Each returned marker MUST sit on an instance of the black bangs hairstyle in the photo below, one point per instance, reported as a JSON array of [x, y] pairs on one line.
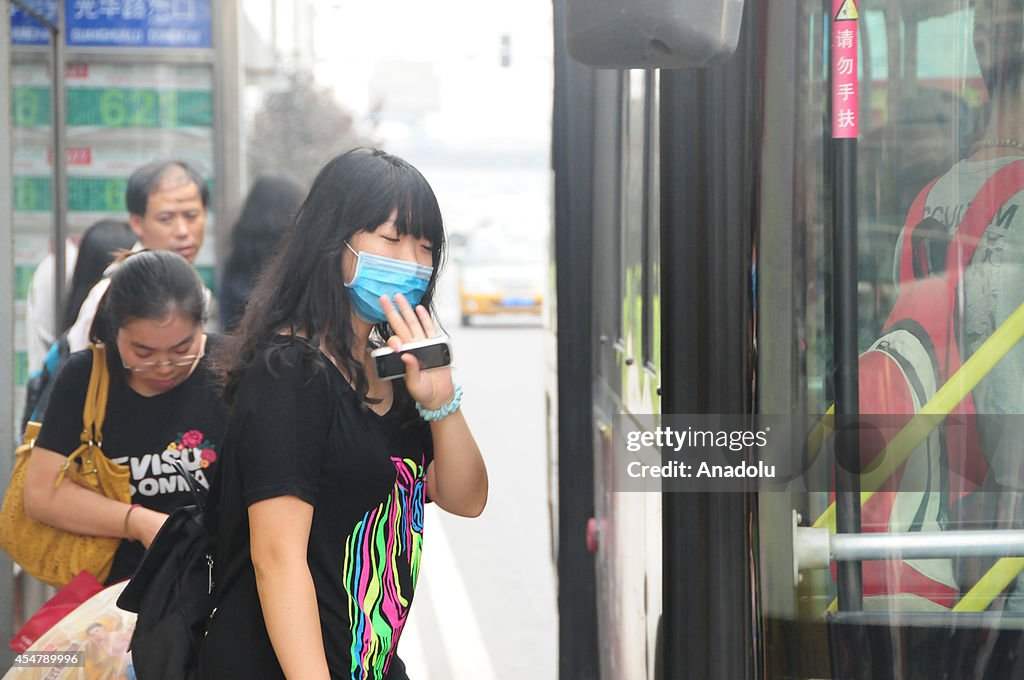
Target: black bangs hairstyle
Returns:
[[148, 284], [268, 211], [303, 288], [99, 246]]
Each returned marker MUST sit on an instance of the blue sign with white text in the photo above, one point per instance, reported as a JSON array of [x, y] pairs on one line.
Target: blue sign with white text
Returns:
[[119, 23], [138, 23], [26, 29]]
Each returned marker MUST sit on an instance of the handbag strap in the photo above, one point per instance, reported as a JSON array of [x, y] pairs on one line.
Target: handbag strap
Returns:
[[93, 411], [199, 494]]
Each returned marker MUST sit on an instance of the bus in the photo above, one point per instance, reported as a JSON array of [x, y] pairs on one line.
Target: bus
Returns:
[[722, 246]]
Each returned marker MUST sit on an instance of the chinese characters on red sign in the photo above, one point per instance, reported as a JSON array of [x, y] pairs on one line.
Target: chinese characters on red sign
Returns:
[[844, 69]]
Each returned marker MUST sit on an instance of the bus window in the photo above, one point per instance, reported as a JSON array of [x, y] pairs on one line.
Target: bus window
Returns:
[[920, 107], [608, 178], [651, 246], [940, 184], [632, 217]]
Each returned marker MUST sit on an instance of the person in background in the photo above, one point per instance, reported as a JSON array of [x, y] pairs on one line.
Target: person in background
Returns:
[[991, 286], [167, 208], [40, 314], [100, 244], [163, 404], [268, 211], [96, 252], [326, 467], [993, 281]]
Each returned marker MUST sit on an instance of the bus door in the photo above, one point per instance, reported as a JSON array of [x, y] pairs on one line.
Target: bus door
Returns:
[[935, 549]]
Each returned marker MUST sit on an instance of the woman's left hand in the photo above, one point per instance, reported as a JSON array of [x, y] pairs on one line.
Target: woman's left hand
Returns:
[[432, 389]]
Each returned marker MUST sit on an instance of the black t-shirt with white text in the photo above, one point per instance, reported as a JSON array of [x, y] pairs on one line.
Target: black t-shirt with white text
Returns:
[[299, 430], [144, 433]]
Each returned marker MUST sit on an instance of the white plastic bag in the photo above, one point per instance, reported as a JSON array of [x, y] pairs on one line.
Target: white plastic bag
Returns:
[[98, 631]]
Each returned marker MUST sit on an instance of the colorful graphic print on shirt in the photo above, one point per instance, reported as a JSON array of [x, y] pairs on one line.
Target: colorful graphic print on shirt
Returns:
[[153, 475], [382, 547]]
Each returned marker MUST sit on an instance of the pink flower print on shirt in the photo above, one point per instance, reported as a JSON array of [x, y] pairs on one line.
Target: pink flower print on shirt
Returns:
[[192, 439], [194, 450]]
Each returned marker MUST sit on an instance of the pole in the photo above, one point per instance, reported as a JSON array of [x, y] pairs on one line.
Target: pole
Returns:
[[60, 184], [228, 143], [849, 577], [7, 427], [923, 545]]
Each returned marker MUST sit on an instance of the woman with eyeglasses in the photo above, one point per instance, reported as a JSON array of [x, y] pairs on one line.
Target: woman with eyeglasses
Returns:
[[163, 405]]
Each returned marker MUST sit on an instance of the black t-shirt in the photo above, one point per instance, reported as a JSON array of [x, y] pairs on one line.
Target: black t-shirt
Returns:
[[297, 429], [144, 433]]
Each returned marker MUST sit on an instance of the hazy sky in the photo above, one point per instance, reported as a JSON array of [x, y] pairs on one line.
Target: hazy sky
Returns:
[[478, 101], [500, 116]]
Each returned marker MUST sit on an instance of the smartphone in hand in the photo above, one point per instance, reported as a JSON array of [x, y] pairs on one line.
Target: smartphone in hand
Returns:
[[432, 353]]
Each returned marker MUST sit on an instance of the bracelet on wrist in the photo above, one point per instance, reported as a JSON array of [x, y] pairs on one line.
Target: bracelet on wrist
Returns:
[[128, 515], [451, 407]]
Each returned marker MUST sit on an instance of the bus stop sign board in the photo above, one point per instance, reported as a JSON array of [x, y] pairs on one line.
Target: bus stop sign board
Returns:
[[119, 23], [25, 30]]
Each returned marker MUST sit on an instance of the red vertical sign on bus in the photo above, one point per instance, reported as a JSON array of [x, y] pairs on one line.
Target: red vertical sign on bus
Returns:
[[845, 109]]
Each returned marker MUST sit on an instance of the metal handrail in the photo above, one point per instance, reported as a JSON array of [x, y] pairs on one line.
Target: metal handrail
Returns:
[[816, 548], [926, 545]]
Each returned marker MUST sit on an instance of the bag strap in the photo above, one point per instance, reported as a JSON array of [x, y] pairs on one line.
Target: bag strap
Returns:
[[93, 411], [199, 494], [914, 217], [983, 208]]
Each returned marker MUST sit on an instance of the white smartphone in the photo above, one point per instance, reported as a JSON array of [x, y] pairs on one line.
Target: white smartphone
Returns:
[[432, 353]]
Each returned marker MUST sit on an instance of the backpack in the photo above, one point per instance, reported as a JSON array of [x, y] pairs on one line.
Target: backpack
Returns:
[[40, 383], [902, 370], [172, 591]]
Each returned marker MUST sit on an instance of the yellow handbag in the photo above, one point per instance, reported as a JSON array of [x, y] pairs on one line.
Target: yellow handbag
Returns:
[[53, 555]]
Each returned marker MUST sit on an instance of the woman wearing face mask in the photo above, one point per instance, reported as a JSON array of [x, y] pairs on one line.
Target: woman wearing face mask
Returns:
[[326, 467], [163, 404]]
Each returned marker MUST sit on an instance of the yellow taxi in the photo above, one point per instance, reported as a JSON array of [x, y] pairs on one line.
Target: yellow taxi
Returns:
[[501, 273]]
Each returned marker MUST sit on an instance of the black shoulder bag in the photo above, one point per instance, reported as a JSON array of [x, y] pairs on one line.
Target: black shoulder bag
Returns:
[[172, 591]]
